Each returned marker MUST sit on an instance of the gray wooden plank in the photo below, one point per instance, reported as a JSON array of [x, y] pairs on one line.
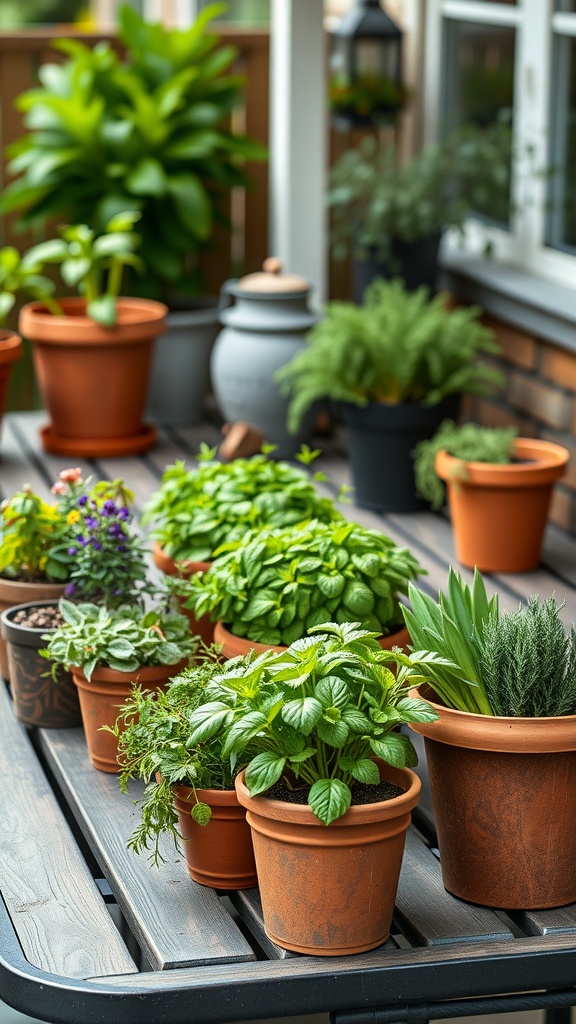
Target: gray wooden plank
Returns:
[[56, 909], [27, 426], [431, 916], [18, 465], [249, 906], [176, 921], [548, 922]]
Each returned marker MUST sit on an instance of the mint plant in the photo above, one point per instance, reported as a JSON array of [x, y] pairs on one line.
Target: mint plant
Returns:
[[315, 715], [469, 442], [274, 585], [124, 639]]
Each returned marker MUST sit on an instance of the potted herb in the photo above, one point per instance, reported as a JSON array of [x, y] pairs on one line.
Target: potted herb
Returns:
[[189, 788], [109, 649], [501, 756], [272, 586], [499, 489], [391, 216], [81, 344], [149, 132], [196, 510], [396, 365], [326, 777]]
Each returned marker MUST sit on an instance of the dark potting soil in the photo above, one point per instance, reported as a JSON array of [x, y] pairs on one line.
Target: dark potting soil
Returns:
[[42, 617], [362, 793]]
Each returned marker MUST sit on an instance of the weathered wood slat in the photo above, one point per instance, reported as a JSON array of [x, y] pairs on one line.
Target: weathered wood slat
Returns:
[[57, 912], [548, 922], [176, 921], [249, 905]]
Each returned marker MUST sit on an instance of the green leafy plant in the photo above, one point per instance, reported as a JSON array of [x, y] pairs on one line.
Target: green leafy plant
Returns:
[[196, 510], [374, 200], [369, 96], [518, 664], [22, 276], [315, 716], [145, 133], [124, 638], [274, 585], [469, 442], [153, 730], [399, 346], [30, 528]]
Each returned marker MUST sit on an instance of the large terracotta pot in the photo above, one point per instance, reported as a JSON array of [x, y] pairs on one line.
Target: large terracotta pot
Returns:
[[219, 854], [102, 695], [498, 512], [94, 379], [504, 796], [10, 351], [13, 592], [233, 645], [330, 891], [202, 627], [38, 699]]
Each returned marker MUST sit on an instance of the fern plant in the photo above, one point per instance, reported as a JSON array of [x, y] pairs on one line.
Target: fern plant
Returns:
[[399, 346], [469, 443]]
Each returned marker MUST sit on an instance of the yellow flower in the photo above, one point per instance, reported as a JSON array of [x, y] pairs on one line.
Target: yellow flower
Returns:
[[73, 517]]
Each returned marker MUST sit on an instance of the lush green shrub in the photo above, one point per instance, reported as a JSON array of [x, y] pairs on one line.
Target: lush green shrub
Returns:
[[470, 443]]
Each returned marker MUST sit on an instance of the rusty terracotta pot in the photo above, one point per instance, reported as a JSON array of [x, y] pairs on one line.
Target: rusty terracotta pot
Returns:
[[13, 592], [10, 351], [233, 645], [219, 854], [330, 891], [79, 362], [499, 513], [102, 695], [504, 796], [202, 627]]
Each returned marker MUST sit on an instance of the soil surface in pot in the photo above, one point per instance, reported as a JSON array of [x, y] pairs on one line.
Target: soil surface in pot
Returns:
[[362, 793], [41, 617]]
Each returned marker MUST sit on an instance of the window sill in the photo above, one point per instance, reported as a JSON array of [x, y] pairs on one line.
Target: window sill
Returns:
[[516, 296]]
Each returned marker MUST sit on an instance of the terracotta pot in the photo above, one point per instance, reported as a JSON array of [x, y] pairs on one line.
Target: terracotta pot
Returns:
[[504, 796], [13, 592], [10, 351], [102, 695], [498, 512], [234, 645], [219, 854], [94, 379], [38, 700], [330, 891], [202, 627]]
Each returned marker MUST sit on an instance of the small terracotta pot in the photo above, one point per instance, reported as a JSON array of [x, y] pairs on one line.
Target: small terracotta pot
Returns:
[[10, 351], [330, 891], [233, 645], [102, 695], [219, 854], [13, 592], [38, 699], [498, 512], [79, 362], [504, 796], [202, 627]]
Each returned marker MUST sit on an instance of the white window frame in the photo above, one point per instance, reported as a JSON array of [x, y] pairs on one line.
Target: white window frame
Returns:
[[537, 25]]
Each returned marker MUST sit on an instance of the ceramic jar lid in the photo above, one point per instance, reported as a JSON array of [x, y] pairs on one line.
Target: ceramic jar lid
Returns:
[[271, 281]]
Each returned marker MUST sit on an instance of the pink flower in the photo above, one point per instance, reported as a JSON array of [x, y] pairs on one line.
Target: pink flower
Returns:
[[71, 476], [58, 488]]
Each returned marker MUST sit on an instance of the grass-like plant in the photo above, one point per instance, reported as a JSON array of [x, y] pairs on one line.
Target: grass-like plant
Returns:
[[469, 442], [399, 346]]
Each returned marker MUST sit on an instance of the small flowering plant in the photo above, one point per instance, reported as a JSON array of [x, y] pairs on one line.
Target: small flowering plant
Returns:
[[35, 535]]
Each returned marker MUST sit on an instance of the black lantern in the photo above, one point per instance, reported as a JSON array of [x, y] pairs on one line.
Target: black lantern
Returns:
[[366, 65]]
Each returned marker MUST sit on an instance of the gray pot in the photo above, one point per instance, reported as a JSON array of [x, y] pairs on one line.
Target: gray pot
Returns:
[[265, 325], [180, 375]]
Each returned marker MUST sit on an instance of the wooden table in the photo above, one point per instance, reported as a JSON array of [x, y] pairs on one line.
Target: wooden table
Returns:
[[90, 933]]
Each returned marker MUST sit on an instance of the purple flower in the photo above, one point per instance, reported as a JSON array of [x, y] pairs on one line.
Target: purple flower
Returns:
[[121, 547], [124, 513], [82, 540], [91, 522], [96, 545], [117, 592], [69, 589], [116, 530], [82, 501], [72, 551], [109, 508]]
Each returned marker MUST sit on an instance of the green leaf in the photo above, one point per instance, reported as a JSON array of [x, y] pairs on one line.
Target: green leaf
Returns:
[[201, 813], [147, 178], [191, 202], [396, 750], [206, 721], [363, 770], [334, 733], [263, 772], [329, 799], [302, 714], [413, 710], [103, 310]]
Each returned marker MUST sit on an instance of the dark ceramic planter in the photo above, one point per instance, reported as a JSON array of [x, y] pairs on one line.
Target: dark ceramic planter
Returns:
[[38, 700], [381, 441], [416, 263]]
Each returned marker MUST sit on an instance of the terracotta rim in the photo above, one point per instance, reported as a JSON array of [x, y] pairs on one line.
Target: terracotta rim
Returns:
[[10, 347], [499, 734], [222, 635], [359, 814], [213, 797], [138, 319], [146, 674], [547, 463], [98, 447], [170, 567]]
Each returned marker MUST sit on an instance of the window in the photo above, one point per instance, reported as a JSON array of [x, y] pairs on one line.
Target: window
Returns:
[[514, 60]]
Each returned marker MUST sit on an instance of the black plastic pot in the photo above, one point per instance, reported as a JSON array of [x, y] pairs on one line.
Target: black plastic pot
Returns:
[[416, 263], [38, 700], [381, 440]]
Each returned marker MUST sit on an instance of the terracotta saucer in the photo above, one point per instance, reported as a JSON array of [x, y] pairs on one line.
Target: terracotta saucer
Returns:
[[100, 447]]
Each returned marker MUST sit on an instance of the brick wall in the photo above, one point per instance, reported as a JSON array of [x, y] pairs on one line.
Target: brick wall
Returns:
[[540, 399]]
